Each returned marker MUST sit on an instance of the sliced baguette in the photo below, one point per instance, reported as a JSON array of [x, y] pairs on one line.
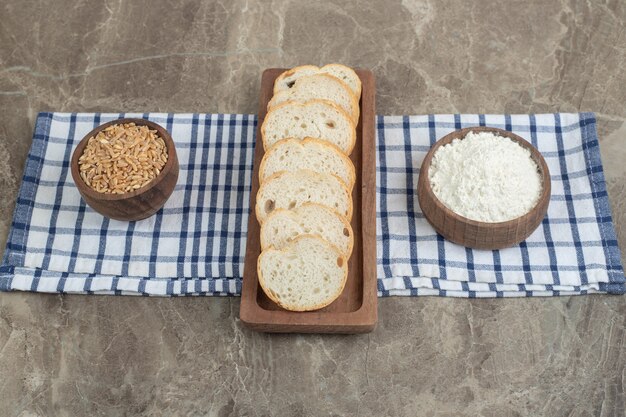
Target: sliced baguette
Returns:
[[309, 153], [289, 190], [282, 226], [287, 79], [308, 274], [320, 119], [322, 86]]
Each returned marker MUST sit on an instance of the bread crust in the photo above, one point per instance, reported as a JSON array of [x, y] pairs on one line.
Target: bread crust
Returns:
[[304, 104], [303, 143], [290, 307], [342, 218], [278, 174]]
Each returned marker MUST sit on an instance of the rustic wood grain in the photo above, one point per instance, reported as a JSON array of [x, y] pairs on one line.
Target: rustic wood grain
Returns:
[[475, 234], [355, 311], [138, 204]]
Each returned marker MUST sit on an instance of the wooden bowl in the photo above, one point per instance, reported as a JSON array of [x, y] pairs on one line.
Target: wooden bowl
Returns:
[[472, 233], [140, 203]]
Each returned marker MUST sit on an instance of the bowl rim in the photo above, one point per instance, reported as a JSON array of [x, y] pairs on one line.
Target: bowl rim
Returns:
[[461, 134], [80, 148]]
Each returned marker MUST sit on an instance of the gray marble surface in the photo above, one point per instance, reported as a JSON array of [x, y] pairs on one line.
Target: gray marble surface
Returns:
[[117, 356]]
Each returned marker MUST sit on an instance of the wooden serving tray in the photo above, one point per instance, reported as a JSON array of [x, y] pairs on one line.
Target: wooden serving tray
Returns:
[[356, 309]]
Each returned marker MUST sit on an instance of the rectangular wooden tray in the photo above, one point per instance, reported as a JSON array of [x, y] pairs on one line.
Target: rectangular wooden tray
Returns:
[[356, 309]]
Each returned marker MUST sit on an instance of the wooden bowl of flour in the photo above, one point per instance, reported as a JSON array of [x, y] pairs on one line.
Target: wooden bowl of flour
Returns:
[[480, 234]]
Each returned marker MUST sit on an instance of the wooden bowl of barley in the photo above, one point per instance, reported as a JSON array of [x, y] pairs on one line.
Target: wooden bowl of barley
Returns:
[[126, 169]]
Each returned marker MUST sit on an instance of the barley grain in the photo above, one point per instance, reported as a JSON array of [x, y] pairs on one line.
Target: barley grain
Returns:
[[122, 158]]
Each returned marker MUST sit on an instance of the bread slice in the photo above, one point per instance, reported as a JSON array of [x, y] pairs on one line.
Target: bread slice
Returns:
[[289, 190], [309, 153], [287, 79], [322, 86], [308, 274], [346, 74], [320, 119], [283, 226]]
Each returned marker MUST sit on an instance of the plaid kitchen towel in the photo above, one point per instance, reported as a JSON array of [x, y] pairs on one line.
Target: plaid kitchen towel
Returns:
[[195, 245]]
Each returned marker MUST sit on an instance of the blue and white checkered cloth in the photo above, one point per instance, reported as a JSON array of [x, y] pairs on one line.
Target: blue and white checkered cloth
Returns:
[[195, 245]]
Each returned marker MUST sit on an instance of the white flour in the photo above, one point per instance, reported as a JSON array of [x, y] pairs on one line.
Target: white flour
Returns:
[[485, 177]]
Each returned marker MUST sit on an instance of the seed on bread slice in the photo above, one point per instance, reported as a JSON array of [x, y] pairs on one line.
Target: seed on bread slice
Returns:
[[307, 274], [282, 226], [287, 79], [309, 153], [320, 119], [322, 86], [289, 190]]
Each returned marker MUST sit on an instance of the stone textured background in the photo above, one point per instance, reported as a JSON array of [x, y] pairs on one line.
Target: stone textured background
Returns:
[[77, 355]]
